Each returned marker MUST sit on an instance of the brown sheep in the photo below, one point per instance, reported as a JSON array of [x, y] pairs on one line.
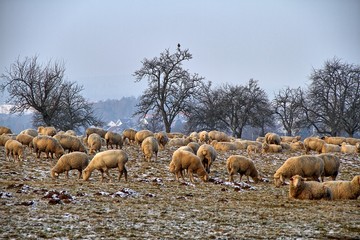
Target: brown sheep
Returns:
[[70, 161], [180, 141], [94, 143], [194, 146], [352, 141], [149, 146], [297, 146], [207, 155], [271, 148], [70, 143], [103, 161], [129, 135], [113, 138], [253, 149], [14, 148], [4, 137], [184, 160], [242, 165], [328, 148], [352, 149], [334, 140], [30, 131], [203, 137], [47, 144], [313, 143], [5, 130], [272, 138]]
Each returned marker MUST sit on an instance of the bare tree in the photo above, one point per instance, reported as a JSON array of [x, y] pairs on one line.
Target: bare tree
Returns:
[[42, 88], [287, 106], [331, 104], [170, 87]]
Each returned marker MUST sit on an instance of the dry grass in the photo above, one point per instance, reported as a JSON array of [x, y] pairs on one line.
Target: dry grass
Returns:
[[152, 205]]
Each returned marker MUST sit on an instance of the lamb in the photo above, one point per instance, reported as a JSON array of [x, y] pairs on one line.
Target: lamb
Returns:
[[70, 161], [207, 155], [223, 146], [184, 160], [70, 143], [47, 144], [129, 135], [334, 140], [243, 166], [106, 160], [113, 138], [30, 131], [141, 135], [313, 143], [203, 137], [14, 148], [353, 149], [272, 138], [94, 143], [289, 139], [149, 146], [327, 148], [345, 189], [25, 139], [331, 165], [271, 148], [49, 131], [162, 139], [311, 190], [304, 165], [101, 132], [5, 130], [219, 136]]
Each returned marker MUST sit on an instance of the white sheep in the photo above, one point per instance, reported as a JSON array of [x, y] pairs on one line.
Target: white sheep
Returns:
[[218, 136], [334, 140], [352, 149], [272, 138], [49, 130], [149, 146], [331, 165], [313, 143], [141, 135], [328, 148], [113, 138], [30, 131], [25, 139], [101, 132], [49, 145], [345, 189], [297, 146], [310, 190], [223, 146], [242, 165], [194, 146], [5, 130], [70, 143], [129, 135], [290, 139], [203, 137], [103, 161], [304, 165], [253, 149], [15, 149], [162, 139], [70, 161], [207, 155], [352, 141], [271, 148], [94, 142]]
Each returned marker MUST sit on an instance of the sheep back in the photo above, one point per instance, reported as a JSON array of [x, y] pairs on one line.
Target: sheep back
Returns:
[[331, 165]]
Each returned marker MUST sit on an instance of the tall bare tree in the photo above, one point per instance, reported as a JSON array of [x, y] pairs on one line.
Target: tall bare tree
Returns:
[[170, 87], [42, 88]]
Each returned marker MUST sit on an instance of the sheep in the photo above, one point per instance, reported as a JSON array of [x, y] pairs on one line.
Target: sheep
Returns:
[[304, 165], [149, 146], [310, 190], [285, 146], [352, 141], [113, 138], [313, 143], [25, 139], [4, 138], [184, 160], [71, 133], [297, 146], [129, 134], [345, 189], [327, 148], [141, 135], [49, 131], [195, 135], [331, 165], [103, 161], [207, 155], [271, 148], [14, 148], [179, 141], [203, 137], [289, 139], [219, 136], [175, 135], [334, 140], [70, 143], [5, 130], [30, 131], [243, 166], [47, 144], [194, 146], [252, 149], [101, 132], [223, 146], [186, 148], [260, 139], [162, 139], [353, 149], [94, 143], [272, 138], [70, 161]]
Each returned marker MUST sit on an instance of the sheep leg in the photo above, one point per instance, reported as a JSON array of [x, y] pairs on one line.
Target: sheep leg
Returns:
[[231, 179], [191, 176], [80, 173], [102, 175], [248, 180], [108, 174], [67, 174], [156, 153], [240, 177]]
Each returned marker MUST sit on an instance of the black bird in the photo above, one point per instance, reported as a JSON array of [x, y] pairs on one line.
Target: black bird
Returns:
[[178, 45]]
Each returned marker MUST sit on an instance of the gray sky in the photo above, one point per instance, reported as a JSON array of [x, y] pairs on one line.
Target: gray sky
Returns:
[[103, 42]]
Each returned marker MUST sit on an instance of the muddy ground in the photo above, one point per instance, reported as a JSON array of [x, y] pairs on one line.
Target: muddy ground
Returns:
[[152, 205]]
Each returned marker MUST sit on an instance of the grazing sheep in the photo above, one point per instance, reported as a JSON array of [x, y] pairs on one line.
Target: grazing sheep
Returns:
[[297, 146], [334, 140], [304, 165], [101, 132], [175, 135], [272, 138], [103, 161], [194, 146], [285, 146], [271, 148], [5, 130], [47, 144], [113, 138], [241, 144], [331, 165], [311, 190], [149, 146], [4, 138], [242, 165], [49, 131], [94, 143], [253, 149], [218, 136], [70, 161], [162, 139], [184, 160], [353, 149], [14, 148], [129, 135], [186, 148], [260, 139], [352, 141], [70, 143], [71, 133], [313, 143], [25, 139], [180, 141], [328, 148], [289, 139], [207, 155], [30, 131], [141, 135], [345, 189], [223, 146], [203, 137]]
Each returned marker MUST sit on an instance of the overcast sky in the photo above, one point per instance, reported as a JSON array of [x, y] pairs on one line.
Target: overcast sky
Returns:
[[103, 42]]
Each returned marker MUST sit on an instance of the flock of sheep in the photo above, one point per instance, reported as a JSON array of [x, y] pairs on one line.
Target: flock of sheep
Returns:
[[194, 155]]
